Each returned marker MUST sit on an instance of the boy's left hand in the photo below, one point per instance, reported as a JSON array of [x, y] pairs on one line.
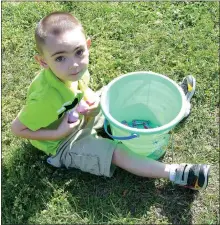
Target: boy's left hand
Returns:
[[93, 109]]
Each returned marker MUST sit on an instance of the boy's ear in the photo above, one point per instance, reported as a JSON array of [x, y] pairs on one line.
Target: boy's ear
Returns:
[[41, 61], [88, 42]]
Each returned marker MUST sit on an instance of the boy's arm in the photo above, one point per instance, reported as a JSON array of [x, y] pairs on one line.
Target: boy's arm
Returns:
[[62, 131]]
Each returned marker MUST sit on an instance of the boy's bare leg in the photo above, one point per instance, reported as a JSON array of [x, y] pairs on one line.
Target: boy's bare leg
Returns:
[[139, 165], [194, 176]]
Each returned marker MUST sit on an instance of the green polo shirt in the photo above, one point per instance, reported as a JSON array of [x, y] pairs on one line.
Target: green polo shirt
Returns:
[[47, 100]]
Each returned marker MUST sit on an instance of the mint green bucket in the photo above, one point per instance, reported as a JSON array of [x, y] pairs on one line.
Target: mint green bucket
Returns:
[[143, 96]]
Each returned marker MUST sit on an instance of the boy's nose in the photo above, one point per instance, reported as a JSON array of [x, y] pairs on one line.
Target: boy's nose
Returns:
[[74, 66]]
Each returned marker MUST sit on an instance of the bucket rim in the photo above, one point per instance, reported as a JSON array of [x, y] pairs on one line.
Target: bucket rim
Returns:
[[160, 129]]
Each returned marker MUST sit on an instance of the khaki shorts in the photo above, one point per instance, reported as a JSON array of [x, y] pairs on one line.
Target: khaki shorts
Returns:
[[84, 149]]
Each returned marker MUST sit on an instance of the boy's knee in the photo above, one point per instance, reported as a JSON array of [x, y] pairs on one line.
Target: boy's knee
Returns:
[[119, 154]]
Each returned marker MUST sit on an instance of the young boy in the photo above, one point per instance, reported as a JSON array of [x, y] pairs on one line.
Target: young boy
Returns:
[[61, 85]]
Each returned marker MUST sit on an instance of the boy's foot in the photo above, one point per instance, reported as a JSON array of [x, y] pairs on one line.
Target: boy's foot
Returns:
[[188, 85], [192, 176]]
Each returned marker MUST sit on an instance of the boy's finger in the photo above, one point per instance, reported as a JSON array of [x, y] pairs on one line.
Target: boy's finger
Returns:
[[72, 125], [94, 108], [66, 116]]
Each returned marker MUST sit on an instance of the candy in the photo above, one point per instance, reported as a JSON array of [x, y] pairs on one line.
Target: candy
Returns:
[[124, 122], [73, 116], [140, 124]]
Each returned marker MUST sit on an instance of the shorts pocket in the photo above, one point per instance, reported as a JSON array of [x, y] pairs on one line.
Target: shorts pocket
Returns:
[[86, 163]]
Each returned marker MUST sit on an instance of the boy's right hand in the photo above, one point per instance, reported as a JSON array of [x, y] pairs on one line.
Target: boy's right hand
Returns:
[[66, 128]]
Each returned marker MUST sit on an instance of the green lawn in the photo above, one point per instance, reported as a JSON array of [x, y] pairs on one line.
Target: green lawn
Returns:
[[175, 39]]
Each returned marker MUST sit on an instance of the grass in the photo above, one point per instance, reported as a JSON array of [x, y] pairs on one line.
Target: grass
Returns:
[[175, 39]]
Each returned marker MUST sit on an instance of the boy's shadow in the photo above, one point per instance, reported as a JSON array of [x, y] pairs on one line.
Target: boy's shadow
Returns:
[[23, 184], [128, 195], [29, 179]]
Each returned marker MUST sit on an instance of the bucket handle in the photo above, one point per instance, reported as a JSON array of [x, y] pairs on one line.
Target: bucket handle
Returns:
[[118, 138]]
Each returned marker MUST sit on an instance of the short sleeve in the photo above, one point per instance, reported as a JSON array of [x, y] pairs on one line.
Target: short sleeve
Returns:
[[37, 114]]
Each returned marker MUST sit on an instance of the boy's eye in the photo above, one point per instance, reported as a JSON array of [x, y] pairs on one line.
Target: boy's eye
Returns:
[[79, 52], [60, 59]]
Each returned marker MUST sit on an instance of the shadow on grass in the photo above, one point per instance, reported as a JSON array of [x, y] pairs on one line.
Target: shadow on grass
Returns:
[[23, 185], [28, 184]]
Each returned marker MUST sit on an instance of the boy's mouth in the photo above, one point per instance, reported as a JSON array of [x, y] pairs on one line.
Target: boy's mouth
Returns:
[[79, 72], [74, 74]]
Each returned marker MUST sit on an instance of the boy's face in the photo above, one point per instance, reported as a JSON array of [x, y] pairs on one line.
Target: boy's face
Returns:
[[67, 55]]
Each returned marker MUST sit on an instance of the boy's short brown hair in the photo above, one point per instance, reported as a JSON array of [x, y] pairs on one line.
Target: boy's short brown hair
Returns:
[[54, 24]]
